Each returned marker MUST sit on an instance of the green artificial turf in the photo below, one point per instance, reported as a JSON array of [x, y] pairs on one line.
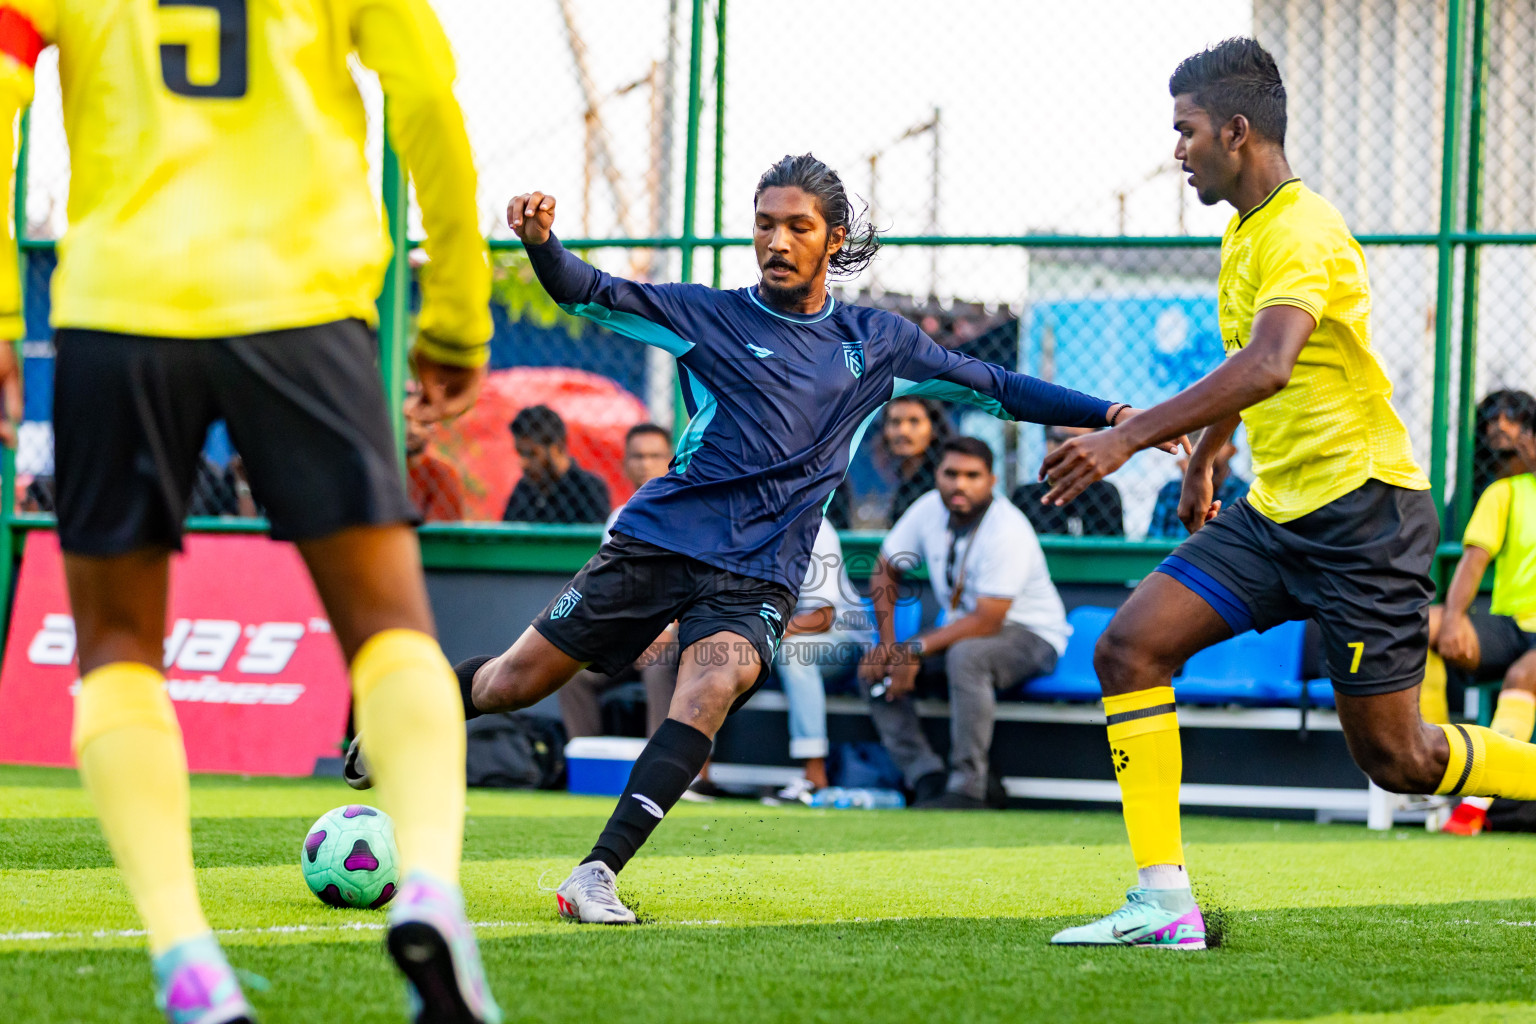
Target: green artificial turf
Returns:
[[786, 914]]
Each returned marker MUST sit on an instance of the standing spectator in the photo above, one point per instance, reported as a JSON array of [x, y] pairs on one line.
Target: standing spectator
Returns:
[[818, 641], [1226, 485], [1097, 512], [553, 488], [432, 483], [647, 454], [1003, 623]]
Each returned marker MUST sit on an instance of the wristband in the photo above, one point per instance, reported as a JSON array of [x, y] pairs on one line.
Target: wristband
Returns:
[[1113, 419]]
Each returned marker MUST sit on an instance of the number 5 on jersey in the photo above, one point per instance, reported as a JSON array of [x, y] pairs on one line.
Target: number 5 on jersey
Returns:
[[203, 48]]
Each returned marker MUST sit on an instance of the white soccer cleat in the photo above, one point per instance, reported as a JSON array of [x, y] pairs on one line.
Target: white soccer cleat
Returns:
[[589, 896]]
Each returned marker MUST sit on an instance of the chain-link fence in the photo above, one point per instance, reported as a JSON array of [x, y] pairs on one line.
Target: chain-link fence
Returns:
[[1019, 159]]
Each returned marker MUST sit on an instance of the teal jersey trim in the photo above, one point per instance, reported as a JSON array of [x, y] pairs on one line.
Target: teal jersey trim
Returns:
[[705, 404], [945, 391], [853, 449], [632, 326], [818, 318]]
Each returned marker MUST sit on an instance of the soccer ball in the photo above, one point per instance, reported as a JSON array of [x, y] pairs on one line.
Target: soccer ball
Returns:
[[349, 857]]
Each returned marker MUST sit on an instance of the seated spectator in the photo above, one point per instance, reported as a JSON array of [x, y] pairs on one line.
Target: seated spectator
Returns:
[[1003, 623], [647, 456], [1501, 643], [823, 637], [1497, 425], [553, 488], [432, 483], [1097, 512], [647, 453], [912, 431], [1226, 486]]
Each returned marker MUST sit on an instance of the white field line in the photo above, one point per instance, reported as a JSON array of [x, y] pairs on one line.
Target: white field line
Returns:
[[279, 929]]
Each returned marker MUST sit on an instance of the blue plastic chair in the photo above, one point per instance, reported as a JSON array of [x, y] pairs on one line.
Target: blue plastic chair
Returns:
[[1251, 668], [1074, 678], [908, 617]]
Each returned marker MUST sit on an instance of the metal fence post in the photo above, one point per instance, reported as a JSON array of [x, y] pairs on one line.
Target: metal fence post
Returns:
[[690, 235], [8, 532], [1446, 253], [719, 224], [1466, 392], [394, 304]]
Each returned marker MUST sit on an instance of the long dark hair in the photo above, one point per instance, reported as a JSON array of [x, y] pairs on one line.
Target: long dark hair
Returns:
[[816, 179]]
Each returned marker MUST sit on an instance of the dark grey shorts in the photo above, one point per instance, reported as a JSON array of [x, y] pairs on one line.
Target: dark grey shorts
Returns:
[[631, 590], [305, 409], [1501, 642], [1358, 566]]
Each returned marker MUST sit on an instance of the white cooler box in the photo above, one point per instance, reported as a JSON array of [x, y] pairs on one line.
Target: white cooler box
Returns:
[[600, 765]]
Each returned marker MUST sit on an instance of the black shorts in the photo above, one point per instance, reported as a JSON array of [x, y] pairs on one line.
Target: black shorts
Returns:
[[305, 409], [631, 590], [1501, 642], [1359, 566]]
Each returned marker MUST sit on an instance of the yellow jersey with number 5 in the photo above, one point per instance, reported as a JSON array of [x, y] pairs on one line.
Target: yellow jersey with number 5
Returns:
[[219, 182], [1332, 427]]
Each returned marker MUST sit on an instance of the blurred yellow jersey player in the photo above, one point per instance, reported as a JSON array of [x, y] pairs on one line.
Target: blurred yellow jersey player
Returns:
[[219, 183], [1332, 427], [222, 261]]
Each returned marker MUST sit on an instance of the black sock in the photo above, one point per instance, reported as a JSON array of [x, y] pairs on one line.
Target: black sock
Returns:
[[665, 768], [466, 670]]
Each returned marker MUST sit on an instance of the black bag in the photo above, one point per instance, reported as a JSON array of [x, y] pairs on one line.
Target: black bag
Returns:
[[515, 751], [1512, 815]]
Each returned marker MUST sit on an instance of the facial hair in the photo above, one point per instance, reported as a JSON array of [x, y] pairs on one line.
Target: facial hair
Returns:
[[789, 299]]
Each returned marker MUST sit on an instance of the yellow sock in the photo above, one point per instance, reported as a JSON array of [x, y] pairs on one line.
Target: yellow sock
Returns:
[[128, 745], [1486, 763], [1515, 715], [409, 709], [1144, 742], [1433, 707]]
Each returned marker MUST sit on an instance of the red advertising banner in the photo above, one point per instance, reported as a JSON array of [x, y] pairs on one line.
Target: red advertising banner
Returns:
[[255, 676]]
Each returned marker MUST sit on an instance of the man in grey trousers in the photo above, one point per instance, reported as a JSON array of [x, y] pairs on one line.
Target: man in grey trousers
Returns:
[[1003, 623]]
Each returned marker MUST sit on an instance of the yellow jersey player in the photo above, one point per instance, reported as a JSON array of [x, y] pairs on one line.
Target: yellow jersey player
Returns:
[[222, 261], [1339, 526], [1501, 642]]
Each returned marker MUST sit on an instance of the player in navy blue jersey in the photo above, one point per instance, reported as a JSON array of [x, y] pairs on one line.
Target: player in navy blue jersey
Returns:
[[780, 381]]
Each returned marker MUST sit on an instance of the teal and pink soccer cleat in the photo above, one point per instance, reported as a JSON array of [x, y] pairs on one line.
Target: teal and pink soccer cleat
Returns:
[[1157, 918], [434, 946], [194, 984]]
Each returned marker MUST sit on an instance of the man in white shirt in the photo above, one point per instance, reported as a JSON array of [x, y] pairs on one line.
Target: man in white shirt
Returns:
[[1003, 622], [824, 635]]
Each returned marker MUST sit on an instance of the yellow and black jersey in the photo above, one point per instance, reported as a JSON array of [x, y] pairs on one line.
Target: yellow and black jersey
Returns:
[[219, 184], [1332, 427]]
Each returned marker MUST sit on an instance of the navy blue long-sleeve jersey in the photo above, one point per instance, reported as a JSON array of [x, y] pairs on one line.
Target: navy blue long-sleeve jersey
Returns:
[[779, 403]]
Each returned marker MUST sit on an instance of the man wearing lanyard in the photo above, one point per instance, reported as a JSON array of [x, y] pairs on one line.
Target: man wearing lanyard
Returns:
[[1003, 623]]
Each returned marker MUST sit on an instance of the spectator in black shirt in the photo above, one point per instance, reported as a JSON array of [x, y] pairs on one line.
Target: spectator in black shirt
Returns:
[[1097, 512], [553, 488]]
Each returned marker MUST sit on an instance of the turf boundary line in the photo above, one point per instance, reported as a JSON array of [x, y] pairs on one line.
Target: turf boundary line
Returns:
[[281, 929]]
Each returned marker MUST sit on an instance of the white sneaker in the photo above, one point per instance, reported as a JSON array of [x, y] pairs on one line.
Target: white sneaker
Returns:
[[590, 897], [799, 791]]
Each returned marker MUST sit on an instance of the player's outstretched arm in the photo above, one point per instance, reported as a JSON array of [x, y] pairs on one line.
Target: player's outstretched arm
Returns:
[[924, 367], [646, 312], [403, 42], [1259, 371]]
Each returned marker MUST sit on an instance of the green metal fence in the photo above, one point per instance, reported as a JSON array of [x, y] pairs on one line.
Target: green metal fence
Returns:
[[1390, 112]]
